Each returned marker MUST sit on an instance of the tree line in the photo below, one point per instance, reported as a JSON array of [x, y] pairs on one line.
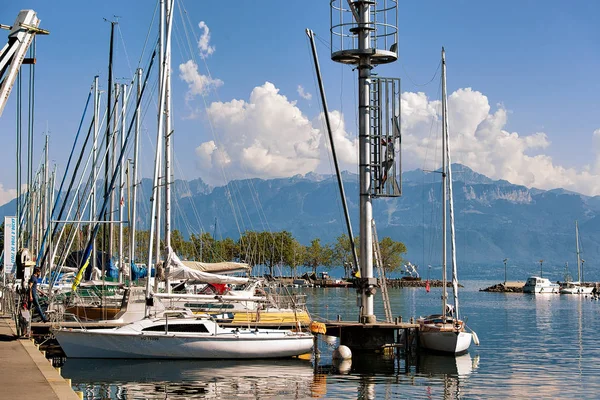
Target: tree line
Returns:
[[271, 249]]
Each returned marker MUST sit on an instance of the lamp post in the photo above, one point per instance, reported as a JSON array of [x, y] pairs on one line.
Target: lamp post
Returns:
[[541, 271], [505, 260]]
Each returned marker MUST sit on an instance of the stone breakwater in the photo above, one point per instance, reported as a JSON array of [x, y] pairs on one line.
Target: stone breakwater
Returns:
[[500, 288], [400, 283]]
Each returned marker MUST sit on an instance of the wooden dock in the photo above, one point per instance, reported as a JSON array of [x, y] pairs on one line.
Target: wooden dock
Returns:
[[26, 373], [374, 337]]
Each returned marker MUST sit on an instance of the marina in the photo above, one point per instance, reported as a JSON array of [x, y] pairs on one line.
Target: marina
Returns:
[[116, 286], [559, 329]]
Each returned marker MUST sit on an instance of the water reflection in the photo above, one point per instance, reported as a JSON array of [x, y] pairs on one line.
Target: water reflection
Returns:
[[452, 371], [182, 379]]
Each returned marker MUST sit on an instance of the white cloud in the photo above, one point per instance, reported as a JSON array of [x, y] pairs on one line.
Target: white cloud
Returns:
[[479, 140], [267, 137], [198, 84], [303, 94], [203, 43]]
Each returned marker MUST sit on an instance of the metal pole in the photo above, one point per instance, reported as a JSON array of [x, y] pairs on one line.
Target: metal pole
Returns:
[[46, 190], [132, 221], [579, 269], [366, 206], [122, 179], [444, 183], [108, 138], [94, 168], [155, 181], [168, 150], [333, 152], [19, 135]]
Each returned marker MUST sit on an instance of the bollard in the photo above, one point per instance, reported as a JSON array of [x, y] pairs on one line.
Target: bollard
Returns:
[[339, 317]]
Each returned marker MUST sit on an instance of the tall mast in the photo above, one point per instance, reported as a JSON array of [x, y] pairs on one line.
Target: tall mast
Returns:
[[444, 183], [94, 168], [157, 157], [45, 192], [578, 255], [122, 179], [133, 216], [450, 198], [168, 150], [108, 138]]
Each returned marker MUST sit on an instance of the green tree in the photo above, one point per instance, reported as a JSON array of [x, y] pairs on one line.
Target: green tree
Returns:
[[391, 253], [318, 255], [298, 257], [342, 253]]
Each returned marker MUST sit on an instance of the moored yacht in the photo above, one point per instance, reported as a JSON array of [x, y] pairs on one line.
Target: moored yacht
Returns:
[[182, 337], [575, 288], [536, 284]]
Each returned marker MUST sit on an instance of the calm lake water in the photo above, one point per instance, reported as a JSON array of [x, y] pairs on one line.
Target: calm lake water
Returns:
[[541, 346]]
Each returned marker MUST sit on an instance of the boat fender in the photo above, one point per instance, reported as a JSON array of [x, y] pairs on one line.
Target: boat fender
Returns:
[[342, 353], [475, 338]]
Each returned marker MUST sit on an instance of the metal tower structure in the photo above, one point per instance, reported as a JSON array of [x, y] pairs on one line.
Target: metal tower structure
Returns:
[[364, 33]]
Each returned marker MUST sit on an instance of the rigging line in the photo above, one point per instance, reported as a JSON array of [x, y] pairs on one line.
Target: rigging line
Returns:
[[57, 200], [148, 35], [210, 122], [341, 82], [112, 183], [328, 149], [423, 84], [124, 48], [193, 205], [235, 186]]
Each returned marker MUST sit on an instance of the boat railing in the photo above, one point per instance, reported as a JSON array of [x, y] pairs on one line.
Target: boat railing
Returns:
[[289, 301]]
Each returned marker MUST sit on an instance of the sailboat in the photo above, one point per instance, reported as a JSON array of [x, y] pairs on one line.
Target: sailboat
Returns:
[[176, 334], [446, 332], [569, 287]]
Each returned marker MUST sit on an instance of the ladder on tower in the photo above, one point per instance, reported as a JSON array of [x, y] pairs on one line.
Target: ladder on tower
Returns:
[[381, 274]]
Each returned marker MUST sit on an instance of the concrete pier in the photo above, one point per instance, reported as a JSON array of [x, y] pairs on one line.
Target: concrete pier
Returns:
[[26, 373]]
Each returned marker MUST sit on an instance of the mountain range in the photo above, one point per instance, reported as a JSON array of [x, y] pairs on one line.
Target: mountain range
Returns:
[[495, 220]]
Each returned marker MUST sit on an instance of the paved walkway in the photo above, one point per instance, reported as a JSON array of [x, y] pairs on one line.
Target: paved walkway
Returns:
[[26, 373]]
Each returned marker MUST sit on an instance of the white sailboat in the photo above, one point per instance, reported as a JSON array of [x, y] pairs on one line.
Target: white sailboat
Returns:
[[182, 337], [570, 287], [177, 334], [446, 332]]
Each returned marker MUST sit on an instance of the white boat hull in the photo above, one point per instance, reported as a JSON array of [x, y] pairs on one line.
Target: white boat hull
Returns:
[[577, 290], [445, 341], [536, 284], [187, 338]]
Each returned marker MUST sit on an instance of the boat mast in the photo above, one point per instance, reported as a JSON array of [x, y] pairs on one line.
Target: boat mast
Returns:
[[444, 183], [579, 272], [450, 195], [94, 169], [105, 241], [168, 150], [133, 217], [122, 180]]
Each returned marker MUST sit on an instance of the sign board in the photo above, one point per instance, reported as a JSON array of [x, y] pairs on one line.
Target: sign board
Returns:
[[10, 244]]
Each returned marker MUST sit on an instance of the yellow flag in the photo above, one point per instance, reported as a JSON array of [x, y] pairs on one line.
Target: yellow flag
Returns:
[[79, 276]]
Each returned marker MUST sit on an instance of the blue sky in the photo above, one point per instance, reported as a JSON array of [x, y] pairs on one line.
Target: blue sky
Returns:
[[529, 117]]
